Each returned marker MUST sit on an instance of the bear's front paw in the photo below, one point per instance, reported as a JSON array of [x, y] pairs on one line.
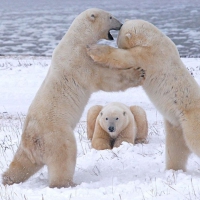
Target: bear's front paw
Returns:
[[141, 140], [142, 75], [97, 52], [139, 76], [141, 71], [136, 76], [101, 144]]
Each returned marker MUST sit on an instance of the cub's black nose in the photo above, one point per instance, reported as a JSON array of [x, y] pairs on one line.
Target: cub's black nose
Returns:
[[111, 128]]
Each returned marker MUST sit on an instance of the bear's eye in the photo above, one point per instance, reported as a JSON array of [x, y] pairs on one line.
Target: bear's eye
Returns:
[[117, 118], [110, 17], [106, 118]]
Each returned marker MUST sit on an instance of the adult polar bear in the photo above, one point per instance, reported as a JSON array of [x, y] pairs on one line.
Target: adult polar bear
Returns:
[[47, 137], [168, 84]]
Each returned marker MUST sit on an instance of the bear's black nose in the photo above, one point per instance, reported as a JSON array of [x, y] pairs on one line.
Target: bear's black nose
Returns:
[[111, 128]]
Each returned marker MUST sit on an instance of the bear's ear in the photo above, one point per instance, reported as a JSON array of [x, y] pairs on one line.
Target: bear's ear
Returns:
[[124, 113], [128, 35], [93, 17]]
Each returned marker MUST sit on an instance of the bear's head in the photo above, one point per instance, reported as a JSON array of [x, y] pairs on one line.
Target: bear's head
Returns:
[[138, 33], [97, 23], [113, 120]]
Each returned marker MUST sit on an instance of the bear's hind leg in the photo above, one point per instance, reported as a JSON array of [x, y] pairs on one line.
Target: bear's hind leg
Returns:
[[176, 149], [191, 130], [20, 169], [61, 161]]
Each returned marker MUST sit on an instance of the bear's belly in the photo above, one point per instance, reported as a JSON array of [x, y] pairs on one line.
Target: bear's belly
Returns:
[[167, 103]]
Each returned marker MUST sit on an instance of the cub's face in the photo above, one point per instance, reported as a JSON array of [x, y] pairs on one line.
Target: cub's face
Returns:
[[102, 22], [113, 121]]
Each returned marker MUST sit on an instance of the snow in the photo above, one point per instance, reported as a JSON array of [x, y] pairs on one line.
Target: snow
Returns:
[[125, 173]]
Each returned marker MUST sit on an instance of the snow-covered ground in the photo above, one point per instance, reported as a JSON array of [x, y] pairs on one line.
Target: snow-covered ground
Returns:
[[130, 172]]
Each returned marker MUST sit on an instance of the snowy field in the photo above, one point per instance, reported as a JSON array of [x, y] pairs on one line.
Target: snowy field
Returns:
[[130, 172]]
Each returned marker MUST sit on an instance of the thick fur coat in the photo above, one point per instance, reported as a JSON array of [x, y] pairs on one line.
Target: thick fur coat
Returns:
[[109, 126], [169, 85], [47, 137]]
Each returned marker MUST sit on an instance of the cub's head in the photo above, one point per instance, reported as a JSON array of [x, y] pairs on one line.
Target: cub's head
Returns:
[[138, 33], [98, 23], [113, 120]]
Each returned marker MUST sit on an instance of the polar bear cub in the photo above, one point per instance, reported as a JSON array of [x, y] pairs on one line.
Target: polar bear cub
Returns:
[[109, 126], [47, 137], [169, 85]]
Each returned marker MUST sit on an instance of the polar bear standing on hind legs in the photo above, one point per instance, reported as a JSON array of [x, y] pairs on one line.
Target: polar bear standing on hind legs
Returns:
[[168, 84], [47, 137]]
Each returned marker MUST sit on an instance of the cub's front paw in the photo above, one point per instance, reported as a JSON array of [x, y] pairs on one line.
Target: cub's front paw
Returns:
[[141, 140], [100, 144]]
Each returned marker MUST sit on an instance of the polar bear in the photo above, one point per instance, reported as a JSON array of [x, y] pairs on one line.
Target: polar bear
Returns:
[[47, 137], [109, 126], [169, 85]]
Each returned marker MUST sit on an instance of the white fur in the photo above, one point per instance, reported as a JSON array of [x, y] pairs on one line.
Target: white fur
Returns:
[[169, 85], [47, 137], [129, 124]]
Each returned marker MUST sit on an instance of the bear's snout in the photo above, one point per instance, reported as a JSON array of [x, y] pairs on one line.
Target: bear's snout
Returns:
[[117, 27], [111, 128]]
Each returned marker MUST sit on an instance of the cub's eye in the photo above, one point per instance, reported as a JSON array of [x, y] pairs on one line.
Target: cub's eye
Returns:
[[110, 17], [117, 118], [106, 118]]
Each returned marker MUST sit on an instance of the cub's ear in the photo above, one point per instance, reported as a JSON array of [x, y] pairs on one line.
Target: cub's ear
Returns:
[[128, 35], [92, 17]]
